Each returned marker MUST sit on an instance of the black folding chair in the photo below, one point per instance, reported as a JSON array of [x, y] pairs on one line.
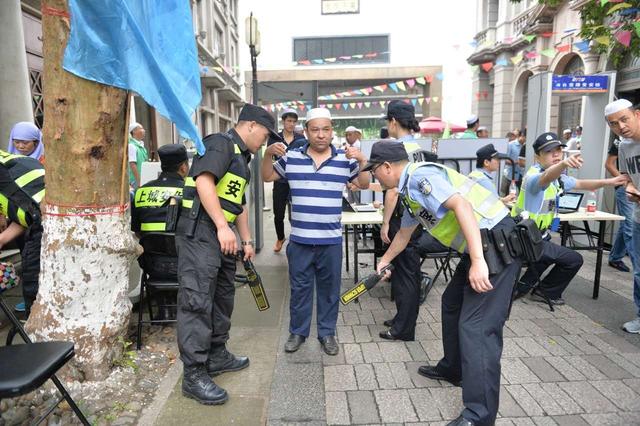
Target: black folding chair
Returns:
[[28, 366], [531, 288], [159, 264]]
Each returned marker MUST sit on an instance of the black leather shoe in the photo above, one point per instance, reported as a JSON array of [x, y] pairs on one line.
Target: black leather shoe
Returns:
[[330, 345], [223, 361], [196, 384], [426, 284], [619, 265], [432, 373], [387, 335], [461, 421], [538, 297], [388, 323], [293, 342]]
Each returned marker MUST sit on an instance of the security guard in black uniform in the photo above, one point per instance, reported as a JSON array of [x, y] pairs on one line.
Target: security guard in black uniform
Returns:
[[213, 202], [21, 191], [149, 214], [463, 215]]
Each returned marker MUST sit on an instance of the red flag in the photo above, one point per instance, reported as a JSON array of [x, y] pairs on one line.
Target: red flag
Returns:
[[487, 66], [563, 48]]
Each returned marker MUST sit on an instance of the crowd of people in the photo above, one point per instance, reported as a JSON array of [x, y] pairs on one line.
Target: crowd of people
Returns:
[[428, 207]]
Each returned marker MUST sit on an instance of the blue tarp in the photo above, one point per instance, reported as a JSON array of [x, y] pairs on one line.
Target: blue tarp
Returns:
[[146, 46]]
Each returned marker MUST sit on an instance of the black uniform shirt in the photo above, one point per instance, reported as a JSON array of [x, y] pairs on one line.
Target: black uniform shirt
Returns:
[[218, 155]]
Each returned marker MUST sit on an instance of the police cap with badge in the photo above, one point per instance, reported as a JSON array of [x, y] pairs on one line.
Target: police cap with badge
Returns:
[[547, 142], [261, 116], [489, 152]]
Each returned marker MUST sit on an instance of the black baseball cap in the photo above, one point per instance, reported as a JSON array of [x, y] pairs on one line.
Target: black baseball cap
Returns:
[[261, 116], [488, 152], [172, 154], [386, 150], [546, 142], [400, 110]]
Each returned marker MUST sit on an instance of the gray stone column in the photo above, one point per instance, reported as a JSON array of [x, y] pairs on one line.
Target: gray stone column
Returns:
[[15, 100], [502, 99]]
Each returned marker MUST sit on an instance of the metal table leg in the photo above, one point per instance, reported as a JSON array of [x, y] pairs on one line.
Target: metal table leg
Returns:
[[600, 249], [346, 245], [355, 253]]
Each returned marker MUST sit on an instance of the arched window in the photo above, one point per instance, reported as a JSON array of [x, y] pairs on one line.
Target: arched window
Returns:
[[574, 67]]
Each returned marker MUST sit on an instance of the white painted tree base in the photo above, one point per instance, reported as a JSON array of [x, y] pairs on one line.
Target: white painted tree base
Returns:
[[83, 294]]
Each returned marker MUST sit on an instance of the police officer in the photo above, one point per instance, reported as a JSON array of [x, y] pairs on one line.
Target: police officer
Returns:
[[21, 191], [149, 214], [214, 203], [462, 215], [542, 187], [487, 163]]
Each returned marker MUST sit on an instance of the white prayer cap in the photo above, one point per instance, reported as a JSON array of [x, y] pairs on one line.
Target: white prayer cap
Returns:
[[472, 119], [314, 113], [353, 129], [134, 126], [481, 128], [617, 106], [298, 128], [289, 111], [565, 131]]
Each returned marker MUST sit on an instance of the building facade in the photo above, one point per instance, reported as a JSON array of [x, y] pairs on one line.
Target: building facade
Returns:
[[216, 31]]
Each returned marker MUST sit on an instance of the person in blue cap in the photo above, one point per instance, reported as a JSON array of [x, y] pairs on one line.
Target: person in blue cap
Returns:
[[462, 215], [487, 163]]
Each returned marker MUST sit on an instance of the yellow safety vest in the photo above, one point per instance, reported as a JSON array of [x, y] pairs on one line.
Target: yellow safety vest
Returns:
[[447, 230], [150, 203], [28, 174], [547, 212], [230, 188]]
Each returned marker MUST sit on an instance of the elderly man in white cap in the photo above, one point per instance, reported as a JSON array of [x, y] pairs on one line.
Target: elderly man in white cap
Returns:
[[473, 122], [353, 135], [624, 120], [317, 174], [137, 153]]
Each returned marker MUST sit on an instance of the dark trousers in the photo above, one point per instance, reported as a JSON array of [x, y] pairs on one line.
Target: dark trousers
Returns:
[[30, 264], [312, 266], [472, 326], [567, 264], [280, 202], [205, 295], [405, 283]]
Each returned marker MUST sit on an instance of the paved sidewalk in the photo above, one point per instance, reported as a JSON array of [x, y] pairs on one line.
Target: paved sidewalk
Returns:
[[561, 368]]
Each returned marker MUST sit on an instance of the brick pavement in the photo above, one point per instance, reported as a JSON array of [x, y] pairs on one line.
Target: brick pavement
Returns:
[[558, 368]]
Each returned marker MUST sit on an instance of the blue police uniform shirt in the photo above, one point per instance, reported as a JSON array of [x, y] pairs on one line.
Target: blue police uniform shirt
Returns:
[[487, 181], [513, 151], [535, 193], [434, 180]]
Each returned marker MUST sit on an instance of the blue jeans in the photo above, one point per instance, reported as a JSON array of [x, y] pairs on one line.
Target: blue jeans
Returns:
[[318, 266], [622, 242], [635, 259]]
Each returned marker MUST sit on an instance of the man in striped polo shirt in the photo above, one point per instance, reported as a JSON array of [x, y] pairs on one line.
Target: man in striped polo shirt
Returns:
[[317, 174]]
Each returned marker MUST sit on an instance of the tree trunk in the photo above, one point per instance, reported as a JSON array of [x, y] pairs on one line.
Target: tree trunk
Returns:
[[87, 245]]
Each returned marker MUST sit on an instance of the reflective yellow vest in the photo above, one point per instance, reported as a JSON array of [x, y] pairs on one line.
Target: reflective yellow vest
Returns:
[[230, 188], [28, 174], [150, 203], [547, 212], [447, 230]]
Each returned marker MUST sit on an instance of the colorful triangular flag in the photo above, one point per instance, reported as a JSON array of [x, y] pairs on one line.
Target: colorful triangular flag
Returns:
[[529, 38], [549, 53], [401, 85], [624, 37], [411, 82], [394, 87], [420, 80], [487, 66]]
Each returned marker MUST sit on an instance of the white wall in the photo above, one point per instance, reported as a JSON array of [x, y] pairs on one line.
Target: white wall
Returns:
[[421, 33]]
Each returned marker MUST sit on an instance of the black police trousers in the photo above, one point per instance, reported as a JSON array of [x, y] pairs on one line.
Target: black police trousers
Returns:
[[30, 264], [206, 292], [567, 264], [472, 326], [405, 284], [280, 202]]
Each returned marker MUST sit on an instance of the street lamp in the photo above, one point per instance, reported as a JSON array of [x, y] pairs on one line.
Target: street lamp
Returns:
[[252, 36]]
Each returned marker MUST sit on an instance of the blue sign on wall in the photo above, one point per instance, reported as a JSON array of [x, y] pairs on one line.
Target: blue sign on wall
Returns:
[[579, 84]]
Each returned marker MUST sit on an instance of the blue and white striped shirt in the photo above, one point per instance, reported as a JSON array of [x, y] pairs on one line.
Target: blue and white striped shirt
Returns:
[[316, 194]]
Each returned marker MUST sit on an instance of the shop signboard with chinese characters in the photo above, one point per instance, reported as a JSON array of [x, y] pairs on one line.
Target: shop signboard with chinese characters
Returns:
[[584, 84]]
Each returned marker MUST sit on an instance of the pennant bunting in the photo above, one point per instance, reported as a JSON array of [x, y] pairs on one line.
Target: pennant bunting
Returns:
[[529, 38], [357, 56], [367, 104], [636, 25], [549, 53], [359, 105], [517, 59], [487, 66], [381, 104], [434, 99], [318, 61], [618, 7], [427, 100], [379, 88], [345, 58], [420, 101], [338, 106], [345, 106], [420, 80], [547, 34], [501, 62], [371, 55], [624, 37], [603, 2], [352, 105], [430, 78], [322, 105], [411, 82], [330, 106], [394, 87], [414, 102], [531, 55], [564, 48], [401, 85], [304, 62], [330, 60], [582, 46], [439, 76], [364, 92], [602, 40]]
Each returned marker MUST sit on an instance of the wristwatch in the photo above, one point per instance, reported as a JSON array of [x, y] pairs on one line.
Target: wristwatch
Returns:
[[248, 243]]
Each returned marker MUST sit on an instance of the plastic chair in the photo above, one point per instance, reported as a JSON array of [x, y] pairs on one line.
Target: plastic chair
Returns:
[[28, 366], [159, 274]]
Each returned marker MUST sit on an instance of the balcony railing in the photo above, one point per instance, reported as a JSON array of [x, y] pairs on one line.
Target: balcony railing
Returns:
[[518, 23]]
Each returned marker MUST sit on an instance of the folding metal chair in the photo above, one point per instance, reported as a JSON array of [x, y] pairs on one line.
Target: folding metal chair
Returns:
[[159, 255], [28, 366]]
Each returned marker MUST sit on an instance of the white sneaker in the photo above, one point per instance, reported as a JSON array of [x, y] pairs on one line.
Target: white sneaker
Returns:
[[632, 326]]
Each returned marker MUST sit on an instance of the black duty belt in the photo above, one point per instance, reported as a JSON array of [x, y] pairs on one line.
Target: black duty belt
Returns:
[[504, 245]]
